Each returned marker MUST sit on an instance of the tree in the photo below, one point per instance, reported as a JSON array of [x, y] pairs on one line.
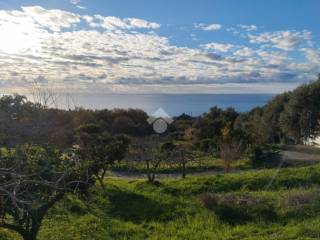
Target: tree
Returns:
[[230, 148], [300, 118], [22, 121], [100, 149], [152, 151], [182, 155], [32, 180], [271, 117], [259, 130], [123, 124], [230, 152], [15, 113]]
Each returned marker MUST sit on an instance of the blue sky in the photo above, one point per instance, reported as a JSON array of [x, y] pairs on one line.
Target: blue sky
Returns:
[[159, 46]]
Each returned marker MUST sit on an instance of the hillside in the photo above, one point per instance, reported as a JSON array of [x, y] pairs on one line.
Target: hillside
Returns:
[[263, 204]]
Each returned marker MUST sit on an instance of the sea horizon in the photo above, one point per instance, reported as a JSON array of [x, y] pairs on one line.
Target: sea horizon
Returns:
[[173, 104]]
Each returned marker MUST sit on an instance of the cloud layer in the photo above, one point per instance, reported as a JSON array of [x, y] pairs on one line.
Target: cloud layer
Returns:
[[107, 53]]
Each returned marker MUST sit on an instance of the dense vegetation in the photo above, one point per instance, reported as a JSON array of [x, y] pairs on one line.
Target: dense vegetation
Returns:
[[291, 117], [54, 165]]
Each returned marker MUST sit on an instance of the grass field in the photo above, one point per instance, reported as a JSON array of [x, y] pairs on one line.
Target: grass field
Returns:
[[201, 164], [265, 204]]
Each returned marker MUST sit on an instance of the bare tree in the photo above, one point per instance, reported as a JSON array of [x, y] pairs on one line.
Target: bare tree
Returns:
[[47, 96], [180, 156], [44, 95], [150, 150], [230, 152]]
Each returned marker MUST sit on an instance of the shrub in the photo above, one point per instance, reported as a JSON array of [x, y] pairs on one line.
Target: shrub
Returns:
[[239, 209], [275, 147], [301, 203], [256, 157]]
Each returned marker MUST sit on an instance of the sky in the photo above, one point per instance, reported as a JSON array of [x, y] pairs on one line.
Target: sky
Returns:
[[158, 46]]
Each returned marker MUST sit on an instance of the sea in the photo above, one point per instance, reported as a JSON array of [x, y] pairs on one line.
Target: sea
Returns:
[[172, 104]]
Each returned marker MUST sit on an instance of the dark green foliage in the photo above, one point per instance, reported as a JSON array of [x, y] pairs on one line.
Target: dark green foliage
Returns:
[[300, 118], [257, 157], [32, 180], [22, 121], [291, 117], [99, 149], [209, 145]]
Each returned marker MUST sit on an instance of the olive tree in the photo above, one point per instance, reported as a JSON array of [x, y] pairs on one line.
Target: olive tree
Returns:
[[152, 151], [100, 149], [32, 180]]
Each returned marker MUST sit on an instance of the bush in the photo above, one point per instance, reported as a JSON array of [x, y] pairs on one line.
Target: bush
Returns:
[[302, 203], [256, 157], [275, 147], [209, 145], [239, 209]]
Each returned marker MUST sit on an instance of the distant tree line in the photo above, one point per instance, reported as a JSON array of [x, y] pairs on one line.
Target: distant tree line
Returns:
[[291, 117], [22, 121]]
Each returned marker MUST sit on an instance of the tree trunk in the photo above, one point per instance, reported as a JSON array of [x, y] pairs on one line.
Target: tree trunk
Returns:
[[153, 177], [148, 171], [32, 233], [183, 169], [150, 179], [101, 184], [30, 236]]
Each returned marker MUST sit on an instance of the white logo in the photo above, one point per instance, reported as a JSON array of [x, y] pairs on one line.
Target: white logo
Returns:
[[160, 121]]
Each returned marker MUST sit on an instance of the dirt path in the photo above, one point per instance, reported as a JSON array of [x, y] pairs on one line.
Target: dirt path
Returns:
[[290, 156], [135, 175], [300, 154]]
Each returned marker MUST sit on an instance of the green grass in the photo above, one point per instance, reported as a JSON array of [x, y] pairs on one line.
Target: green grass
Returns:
[[201, 164], [232, 206]]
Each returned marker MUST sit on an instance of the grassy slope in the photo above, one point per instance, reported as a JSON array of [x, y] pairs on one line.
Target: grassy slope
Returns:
[[202, 164], [230, 206]]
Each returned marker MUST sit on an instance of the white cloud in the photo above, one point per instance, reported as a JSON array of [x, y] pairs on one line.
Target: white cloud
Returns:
[[219, 47], [248, 28], [208, 27], [37, 17], [113, 54], [140, 23], [113, 23], [274, 58], [285, 40], [244, 52], [81, 7], [313, 55], [88, 19], [75, 2]]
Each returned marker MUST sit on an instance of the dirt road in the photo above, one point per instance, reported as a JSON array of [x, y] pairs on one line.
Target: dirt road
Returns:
[[297, 155]]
